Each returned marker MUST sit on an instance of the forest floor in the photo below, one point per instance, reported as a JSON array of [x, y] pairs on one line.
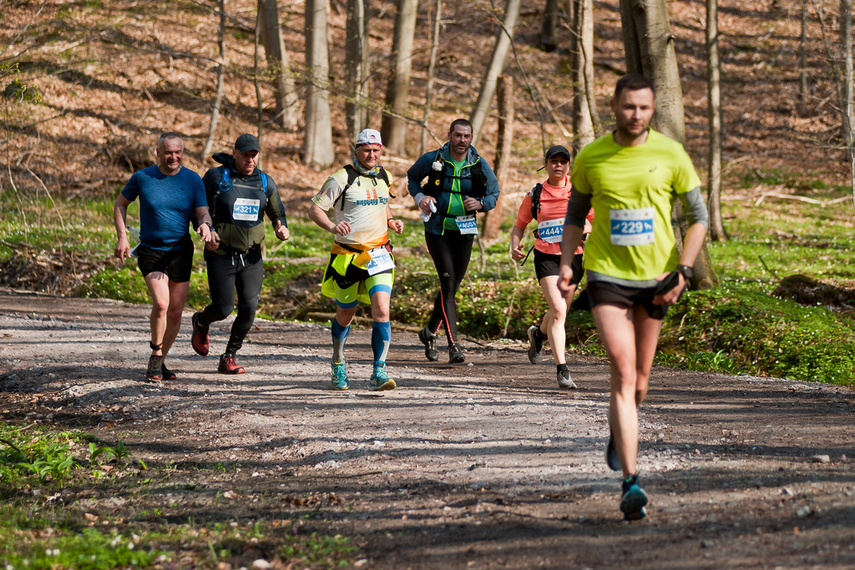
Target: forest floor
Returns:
[[482, 465]]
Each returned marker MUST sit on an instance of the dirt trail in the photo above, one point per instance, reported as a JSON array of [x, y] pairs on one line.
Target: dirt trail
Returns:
[[486, 465]]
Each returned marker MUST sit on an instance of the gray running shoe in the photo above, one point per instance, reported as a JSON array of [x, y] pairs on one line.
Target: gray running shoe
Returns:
[[155, 367], [564, 380], [535, 349], [429, 340]]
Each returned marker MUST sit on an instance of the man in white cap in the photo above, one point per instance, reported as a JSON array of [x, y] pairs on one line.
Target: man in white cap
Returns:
[[361, 266]]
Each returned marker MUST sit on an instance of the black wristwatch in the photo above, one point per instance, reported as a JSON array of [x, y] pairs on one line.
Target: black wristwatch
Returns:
[[687, 271]]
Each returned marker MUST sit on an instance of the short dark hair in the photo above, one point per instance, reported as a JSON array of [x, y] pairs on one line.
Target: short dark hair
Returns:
[[170, 135], [461, 123], [633, 82]]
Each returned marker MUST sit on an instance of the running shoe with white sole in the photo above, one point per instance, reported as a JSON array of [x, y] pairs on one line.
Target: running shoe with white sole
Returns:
[[564, 380], [429, 340], [535, 349], [455, 355]]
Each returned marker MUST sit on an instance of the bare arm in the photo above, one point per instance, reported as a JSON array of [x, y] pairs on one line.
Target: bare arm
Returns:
[[320, 217], [516, 244], [569, 242], [396, 225], [206, 228], [120, 220]]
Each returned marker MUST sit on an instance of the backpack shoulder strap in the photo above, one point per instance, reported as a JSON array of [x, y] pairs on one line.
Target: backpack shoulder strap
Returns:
[[263, 180], [352, 174], [535, 200]]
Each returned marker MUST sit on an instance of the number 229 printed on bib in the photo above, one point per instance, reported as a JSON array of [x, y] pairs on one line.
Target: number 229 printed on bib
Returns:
[[632, 226]]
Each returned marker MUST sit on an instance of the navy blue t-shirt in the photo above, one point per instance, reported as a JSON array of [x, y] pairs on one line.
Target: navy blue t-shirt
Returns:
[[167, 204]]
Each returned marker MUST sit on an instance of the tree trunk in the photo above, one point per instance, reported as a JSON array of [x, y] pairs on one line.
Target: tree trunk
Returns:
[[356, 67], [549, 29], [434, 47], [716, 230], [649, 49], [493, 218], [846, 76], [497, 63], [394, 128], [803, 86], [256, 80], [278, 66], [317, 143], [218, 98], [582, 70]]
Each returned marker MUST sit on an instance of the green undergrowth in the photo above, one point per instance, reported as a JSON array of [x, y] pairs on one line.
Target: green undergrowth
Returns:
[[68, 500], [733, 329]]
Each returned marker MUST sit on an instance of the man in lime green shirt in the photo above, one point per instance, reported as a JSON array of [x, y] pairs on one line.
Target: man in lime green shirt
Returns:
[[631, 178]]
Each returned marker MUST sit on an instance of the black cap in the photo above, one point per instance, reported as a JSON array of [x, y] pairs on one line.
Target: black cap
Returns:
[[557, 149], [247, 142]]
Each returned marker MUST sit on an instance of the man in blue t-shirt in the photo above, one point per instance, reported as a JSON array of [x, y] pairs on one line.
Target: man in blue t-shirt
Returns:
[[171, 197]]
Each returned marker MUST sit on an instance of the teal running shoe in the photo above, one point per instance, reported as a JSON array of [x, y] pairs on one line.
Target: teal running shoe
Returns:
[[379, 379], [633, 500], [339, 376]]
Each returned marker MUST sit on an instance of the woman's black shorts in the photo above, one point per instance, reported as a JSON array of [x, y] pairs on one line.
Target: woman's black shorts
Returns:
[[546, 264]]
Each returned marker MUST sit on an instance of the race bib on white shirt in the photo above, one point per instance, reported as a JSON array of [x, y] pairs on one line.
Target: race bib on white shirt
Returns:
[[632, 226], [550, 231], [466, 225], [381, 260], [246, 210]]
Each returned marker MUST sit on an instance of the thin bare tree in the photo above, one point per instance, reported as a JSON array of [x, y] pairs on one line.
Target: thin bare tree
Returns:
[[549, 27], [504, 38], [256, 81], [586, 120], [505, 96], [394, 128], [356, 67], [434, 47], [716, 230], [221, 72], [317, 141], [287, 104], [803, 82], [846, 87]]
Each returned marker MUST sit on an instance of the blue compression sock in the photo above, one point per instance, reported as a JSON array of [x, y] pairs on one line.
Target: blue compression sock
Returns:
[[381, 338], [339, 337]]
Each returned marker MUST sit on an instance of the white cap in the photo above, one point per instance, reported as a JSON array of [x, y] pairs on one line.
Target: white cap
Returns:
[[369, 136]]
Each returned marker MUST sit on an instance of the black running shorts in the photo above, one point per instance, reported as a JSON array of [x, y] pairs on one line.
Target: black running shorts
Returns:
[[603, 292], [177, 264], [546, 264]]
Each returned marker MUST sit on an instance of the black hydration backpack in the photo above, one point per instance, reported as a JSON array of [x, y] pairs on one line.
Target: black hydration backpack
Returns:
[[352, 175]]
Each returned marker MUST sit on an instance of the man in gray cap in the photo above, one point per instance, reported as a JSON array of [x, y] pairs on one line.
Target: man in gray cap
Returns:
[[239, 194]]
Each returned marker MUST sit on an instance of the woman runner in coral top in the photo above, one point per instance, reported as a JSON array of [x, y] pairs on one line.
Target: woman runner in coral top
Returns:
[[550, 199]]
